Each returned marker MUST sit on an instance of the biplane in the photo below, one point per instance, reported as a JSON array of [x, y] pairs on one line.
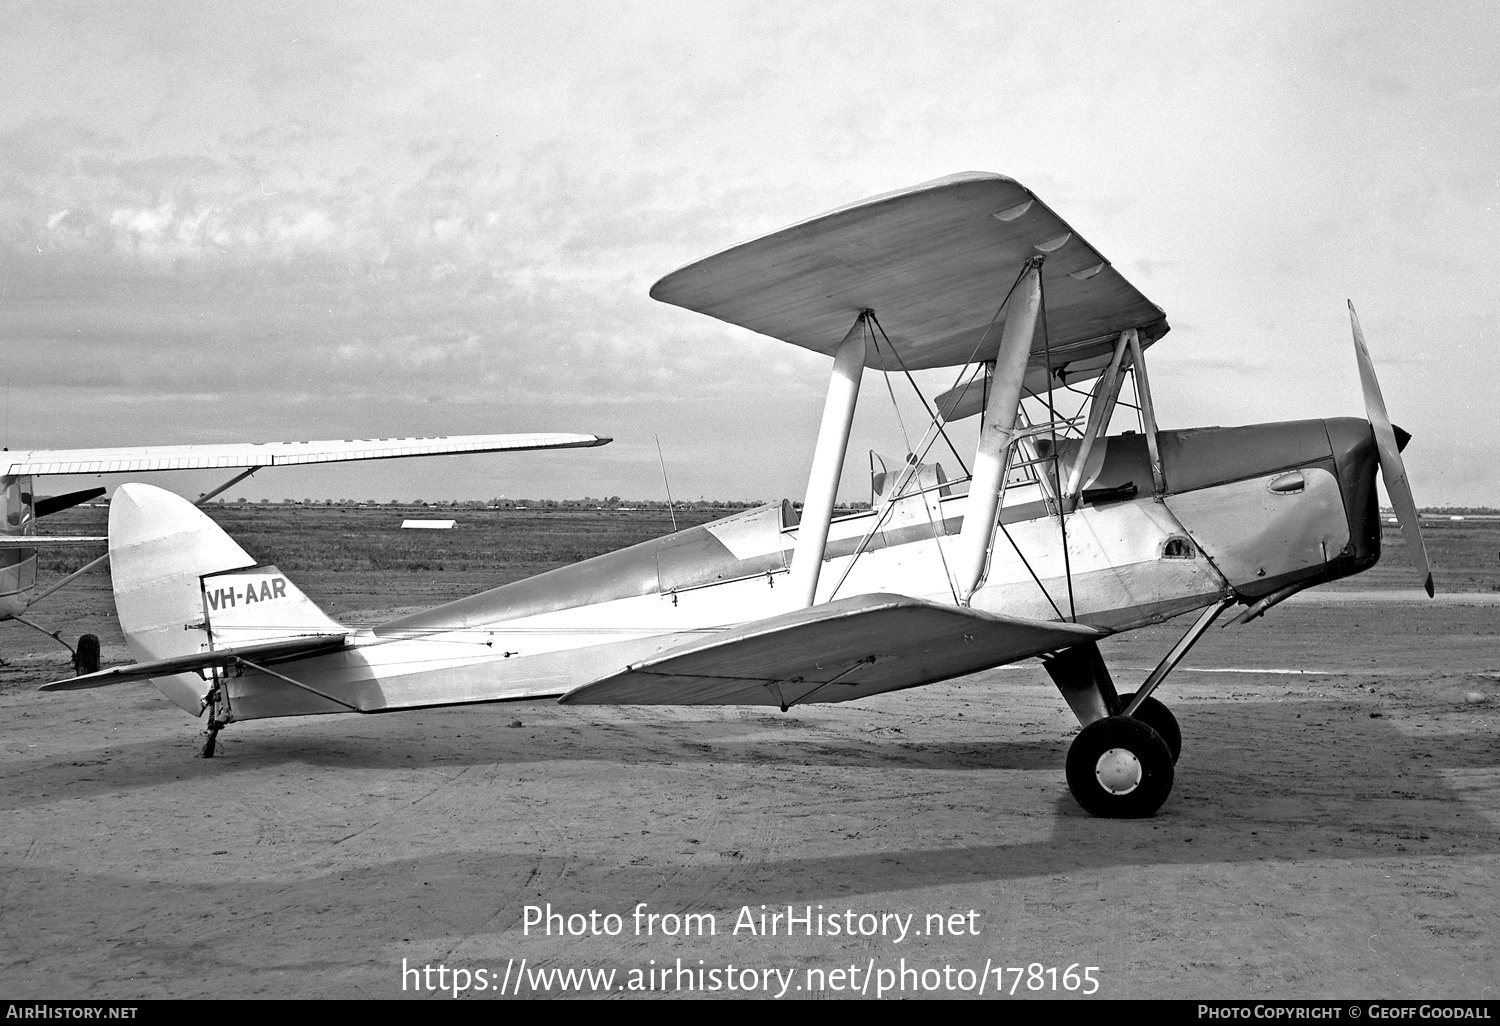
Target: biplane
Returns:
[[1055, 532], [20, 543]]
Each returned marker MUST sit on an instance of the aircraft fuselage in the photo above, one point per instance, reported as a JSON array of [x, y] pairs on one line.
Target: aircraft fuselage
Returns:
[[17, 566], [1246, 512]]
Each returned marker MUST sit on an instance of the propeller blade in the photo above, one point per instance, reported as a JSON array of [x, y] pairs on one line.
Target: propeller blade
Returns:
[[46, 505], [1391, 467]]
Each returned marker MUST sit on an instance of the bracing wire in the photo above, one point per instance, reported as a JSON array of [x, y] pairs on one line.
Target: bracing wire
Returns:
[[1027, 564], [937, 421], [1062, 519], [886, 374]]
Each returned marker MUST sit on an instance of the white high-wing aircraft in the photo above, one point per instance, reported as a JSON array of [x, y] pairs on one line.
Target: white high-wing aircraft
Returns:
[[20, 542], [1066, 533]]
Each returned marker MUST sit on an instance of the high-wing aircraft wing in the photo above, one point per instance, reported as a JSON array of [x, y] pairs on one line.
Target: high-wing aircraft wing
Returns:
[[18, 591], [139, 459], [934, 263], [268, 652], [835, 652], [44, 541]]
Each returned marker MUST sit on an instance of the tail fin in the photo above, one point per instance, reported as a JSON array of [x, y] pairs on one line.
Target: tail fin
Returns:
[[183, 586]]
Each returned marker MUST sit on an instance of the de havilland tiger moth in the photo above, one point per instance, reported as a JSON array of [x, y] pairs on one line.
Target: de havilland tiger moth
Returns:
[[1065, 533]]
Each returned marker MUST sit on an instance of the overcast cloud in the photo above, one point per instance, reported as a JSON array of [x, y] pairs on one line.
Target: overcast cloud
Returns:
[[303, 220]]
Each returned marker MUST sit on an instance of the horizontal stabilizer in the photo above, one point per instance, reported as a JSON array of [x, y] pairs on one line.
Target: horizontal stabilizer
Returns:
[[223, 658], [836, 652], [42, 541]]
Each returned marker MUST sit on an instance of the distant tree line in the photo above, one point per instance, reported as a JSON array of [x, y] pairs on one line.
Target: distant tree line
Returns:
[[613, 502], [500, 502]]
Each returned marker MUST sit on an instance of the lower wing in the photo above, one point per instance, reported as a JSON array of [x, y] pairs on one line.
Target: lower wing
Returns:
[[835, 652]]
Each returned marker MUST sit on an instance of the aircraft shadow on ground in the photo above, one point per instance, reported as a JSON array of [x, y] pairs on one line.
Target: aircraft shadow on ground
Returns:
[[1305, 775], [1329, 815]]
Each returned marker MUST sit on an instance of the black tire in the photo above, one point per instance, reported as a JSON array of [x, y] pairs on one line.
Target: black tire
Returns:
[[86, 655], [1120, 768], [1160, 719]]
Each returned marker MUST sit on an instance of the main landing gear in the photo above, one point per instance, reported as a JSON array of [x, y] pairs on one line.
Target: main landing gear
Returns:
[[1119, 767], [1121, 764], [85, 655], [1160, 719]]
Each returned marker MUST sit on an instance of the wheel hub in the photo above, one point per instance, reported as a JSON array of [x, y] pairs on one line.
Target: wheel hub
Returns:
[[1119, 771]]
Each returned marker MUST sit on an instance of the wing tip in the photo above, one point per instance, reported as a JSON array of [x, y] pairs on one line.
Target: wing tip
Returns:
[[98, 679], [1431, 592]]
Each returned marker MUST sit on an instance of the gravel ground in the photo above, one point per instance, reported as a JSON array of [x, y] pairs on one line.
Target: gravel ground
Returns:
[[1332, 834]]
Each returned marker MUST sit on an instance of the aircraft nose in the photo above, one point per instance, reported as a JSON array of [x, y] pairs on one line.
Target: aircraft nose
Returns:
[[1357, 459]]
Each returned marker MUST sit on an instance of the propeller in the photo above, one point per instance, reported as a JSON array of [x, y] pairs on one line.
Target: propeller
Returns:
[[1389, 448]]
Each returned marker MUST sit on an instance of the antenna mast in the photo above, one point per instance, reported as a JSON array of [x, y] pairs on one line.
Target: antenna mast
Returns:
[[665, 481]]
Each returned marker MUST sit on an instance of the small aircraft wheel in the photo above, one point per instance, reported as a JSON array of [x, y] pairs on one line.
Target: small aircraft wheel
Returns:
[[1120, 768], [1160, 719], [86, 655]]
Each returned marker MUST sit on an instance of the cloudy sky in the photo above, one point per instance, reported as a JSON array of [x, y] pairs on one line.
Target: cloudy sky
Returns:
[[257, 221]]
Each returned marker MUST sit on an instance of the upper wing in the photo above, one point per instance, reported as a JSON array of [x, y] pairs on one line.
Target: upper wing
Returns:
[[841, 650], [140, 458], [934, 263]]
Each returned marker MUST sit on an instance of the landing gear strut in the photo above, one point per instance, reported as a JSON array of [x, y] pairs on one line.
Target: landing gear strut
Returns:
[[85, 656], [1121, 763]]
